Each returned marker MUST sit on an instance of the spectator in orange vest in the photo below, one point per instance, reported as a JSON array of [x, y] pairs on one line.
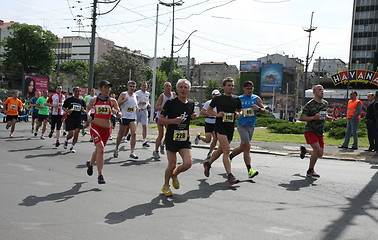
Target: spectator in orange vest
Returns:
[[353, 115]]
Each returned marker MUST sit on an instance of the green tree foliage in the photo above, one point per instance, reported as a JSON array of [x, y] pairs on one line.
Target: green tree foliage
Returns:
[[117, 67], [176, 73], [28, 50], [77, 71], [212, 84]]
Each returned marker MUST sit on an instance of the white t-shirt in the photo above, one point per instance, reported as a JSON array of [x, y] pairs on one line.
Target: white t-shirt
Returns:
[[209, 119], [128, 108], [165, 99], [143, 96]]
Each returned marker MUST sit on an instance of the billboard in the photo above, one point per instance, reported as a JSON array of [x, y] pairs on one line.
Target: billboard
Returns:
[[250, 66], [271, 79], [355, 75], [33, 83]]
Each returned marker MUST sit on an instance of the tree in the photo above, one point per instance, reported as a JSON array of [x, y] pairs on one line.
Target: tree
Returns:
[[28, 50], [177, 73], [118, 66], [212, 84]]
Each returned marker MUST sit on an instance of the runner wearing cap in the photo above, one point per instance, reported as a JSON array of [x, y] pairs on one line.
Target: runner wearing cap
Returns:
[[209, 126]]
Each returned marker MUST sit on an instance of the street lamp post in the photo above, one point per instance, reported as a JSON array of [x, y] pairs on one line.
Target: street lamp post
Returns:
[[173, 4]]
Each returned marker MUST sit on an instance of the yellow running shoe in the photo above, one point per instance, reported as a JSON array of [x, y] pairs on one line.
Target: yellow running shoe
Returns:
[[175, 182], [166, 191], [252, 173]]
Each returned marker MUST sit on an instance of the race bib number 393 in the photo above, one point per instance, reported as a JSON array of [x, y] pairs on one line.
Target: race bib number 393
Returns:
[[102, 109], [228, 117], [180, 135]]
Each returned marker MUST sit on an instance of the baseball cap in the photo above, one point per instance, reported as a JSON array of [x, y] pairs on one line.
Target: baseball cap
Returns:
[[105, 83], [215, 92]]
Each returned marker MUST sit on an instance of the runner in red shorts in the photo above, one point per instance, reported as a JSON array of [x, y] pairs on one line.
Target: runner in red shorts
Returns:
[[104, 107]]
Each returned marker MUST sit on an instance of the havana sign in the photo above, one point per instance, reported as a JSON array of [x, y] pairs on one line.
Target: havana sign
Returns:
[[362, 76]]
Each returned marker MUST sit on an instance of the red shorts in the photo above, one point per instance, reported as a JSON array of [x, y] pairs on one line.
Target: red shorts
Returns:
[[99, 134], [312, 137]]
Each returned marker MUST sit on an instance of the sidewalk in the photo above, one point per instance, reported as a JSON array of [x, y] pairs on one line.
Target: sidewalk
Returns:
[[283, 149]]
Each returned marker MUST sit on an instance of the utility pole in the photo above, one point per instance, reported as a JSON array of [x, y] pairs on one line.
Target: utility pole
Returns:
[[92, 47], [173, 4], [309, 30], [153, 92], [188, 66]]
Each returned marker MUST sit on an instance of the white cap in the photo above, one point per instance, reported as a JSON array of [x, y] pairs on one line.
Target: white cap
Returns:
[[215, 92]]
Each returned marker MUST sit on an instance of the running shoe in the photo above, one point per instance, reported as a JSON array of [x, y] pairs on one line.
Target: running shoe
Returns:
[[8, 126], [175, 182], [166, 191], [32, 131], [65, 144], [208, 156], [123, 140], [231, 157], [145, 144], [155, 154], [162, 149], [303, 152], [231, 179], [57, 144], [51, 134], [111, 138], [64, 133], [115, 154], [89, 168], [133, 156], [42, 137], [83, 132], [100, 179], [252, 173], [206, 170], [312, 173], [36, 133], [72, 149], [128, 137], [196, 141], [91, 139]]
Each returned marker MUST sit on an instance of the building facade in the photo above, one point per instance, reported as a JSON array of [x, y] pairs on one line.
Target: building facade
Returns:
[[364, 39]]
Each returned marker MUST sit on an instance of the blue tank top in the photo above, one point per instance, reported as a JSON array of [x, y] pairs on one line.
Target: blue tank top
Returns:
[[248, 117]]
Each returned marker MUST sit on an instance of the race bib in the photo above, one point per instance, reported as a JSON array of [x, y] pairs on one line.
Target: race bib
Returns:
[[77, 108], [12, 106], [180, 135], [248, 112], [129, 109], [103, 109], [323, 115], [228, 117]]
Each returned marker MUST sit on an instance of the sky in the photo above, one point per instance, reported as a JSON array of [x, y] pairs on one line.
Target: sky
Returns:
[[219, 30]]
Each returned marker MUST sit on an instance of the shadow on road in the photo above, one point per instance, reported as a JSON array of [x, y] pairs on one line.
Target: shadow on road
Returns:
[[355, 208], [205, 190], [57, 197], [59, 153], [28, 149], [296, 185]]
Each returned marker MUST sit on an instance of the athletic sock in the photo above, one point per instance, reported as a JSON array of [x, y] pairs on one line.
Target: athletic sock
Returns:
[[248, 167]]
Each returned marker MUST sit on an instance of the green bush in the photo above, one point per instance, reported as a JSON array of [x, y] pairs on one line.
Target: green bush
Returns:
[[337, 129], [200, 121], [264, 120], [287, 127]]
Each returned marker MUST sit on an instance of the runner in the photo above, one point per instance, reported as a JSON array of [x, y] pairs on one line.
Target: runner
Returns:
[[315, 114], [73, 106], [251, 104], [100, 127], [209, 127], [177, 114], [34, 110], [12, 106], [163, 98], [228, 108], [128, 104], [55, 101], [43, 113], [86, 122], [143, 98]]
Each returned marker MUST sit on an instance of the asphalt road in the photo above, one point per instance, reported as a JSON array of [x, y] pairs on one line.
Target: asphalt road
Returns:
[[46, 194]]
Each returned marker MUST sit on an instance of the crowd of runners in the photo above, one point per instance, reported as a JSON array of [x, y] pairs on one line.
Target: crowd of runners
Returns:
[[75, 113]]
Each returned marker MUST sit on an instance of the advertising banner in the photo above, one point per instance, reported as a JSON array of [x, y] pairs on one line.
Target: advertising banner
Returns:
[[34, 83], [271, 79], [283, 101], [356, 75], [250, 66]]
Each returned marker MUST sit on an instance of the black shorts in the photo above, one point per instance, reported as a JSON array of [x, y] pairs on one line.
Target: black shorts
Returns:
[[126, 121], [229, 132], [113, 120], [174, 146], [56, 120], [73, 124], [11, 117], [209, 127], [41, 117], [34, 115]]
